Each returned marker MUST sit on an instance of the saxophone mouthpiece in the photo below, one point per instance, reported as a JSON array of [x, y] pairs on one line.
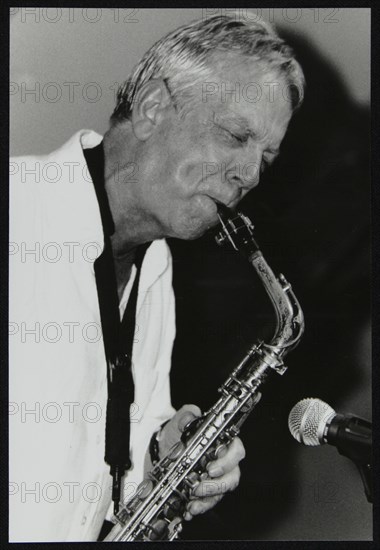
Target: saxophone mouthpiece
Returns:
[[224, 212]]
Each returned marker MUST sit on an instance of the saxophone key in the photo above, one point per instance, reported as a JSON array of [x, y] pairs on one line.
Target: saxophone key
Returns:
[[158, 529], [186, 462], [202, 463], [176, 451], [175, 528], [174, 507], [122, 516], [192, 480], [144, 489], [190, 428], [221, 450]]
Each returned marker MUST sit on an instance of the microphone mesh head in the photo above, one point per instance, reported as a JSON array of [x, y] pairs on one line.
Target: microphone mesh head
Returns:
[[308, 419]]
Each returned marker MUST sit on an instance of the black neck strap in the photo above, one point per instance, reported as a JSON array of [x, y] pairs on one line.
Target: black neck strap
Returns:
[[118, 337]]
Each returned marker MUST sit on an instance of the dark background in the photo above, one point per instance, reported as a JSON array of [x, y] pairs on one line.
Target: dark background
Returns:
[[312, 216]]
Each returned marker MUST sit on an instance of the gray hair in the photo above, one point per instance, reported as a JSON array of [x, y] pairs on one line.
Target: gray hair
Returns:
[[184, 57]]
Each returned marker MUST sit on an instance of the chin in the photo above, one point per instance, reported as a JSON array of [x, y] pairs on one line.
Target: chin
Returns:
[[189, 235], [194, 231]]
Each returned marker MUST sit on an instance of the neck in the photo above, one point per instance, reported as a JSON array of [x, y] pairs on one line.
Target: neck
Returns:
[[132, 226], [123, 268]]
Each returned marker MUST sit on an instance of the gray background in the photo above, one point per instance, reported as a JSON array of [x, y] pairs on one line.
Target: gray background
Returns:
[[54, 46]]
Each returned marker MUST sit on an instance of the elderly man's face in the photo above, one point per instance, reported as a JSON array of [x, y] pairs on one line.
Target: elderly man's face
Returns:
[[216, 153]]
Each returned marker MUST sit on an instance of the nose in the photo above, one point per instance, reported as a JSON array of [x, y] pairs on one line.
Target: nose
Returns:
[[245, 174], [247, 177]]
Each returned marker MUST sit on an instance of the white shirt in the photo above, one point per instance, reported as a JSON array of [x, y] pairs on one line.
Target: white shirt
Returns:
[[60, 486]]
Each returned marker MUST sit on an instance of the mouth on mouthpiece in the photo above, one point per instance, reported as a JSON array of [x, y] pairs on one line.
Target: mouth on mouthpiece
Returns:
[[224, 212]]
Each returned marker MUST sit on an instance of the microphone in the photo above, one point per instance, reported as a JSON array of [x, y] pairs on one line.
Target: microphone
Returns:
[[313, 422]]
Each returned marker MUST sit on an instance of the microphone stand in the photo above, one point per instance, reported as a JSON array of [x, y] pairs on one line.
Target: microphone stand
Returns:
[[366, 475], [353, 438]]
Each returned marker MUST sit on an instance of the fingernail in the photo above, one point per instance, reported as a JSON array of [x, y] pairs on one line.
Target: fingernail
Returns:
[[216, 471], [186, 419]]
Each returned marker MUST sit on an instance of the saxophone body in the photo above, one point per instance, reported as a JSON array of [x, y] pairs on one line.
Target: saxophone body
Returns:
[[156, 511]]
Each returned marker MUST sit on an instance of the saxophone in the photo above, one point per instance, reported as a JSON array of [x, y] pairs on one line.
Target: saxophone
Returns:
[[156, 510]]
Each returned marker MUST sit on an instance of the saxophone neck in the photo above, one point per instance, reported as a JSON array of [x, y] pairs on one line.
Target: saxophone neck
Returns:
[[289, 316], [237, 230]]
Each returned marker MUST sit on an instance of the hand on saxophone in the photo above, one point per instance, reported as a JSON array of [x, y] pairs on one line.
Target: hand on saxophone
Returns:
[[223, 474]]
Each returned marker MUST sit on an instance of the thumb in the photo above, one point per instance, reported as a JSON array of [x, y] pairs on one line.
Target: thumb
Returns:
[[171, 432], [185, 414]]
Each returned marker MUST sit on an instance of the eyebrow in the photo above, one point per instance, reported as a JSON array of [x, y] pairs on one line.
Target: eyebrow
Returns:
[[234, 118]]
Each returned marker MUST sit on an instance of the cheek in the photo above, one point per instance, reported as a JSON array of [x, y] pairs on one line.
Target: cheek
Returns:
[[184, 164], [189, 169], [198, 161], [189, 156]]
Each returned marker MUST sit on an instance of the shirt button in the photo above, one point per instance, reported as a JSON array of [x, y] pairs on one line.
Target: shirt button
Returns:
[[84, 519]]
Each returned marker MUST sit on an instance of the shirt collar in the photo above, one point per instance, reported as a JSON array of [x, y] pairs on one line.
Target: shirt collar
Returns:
[[157, 257], [95, 162]]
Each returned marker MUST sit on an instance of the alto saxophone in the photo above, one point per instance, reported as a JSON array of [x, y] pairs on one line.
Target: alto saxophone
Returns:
[[156, 510]]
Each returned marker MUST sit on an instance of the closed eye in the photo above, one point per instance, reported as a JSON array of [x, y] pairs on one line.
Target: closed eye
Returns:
[[241, 139]]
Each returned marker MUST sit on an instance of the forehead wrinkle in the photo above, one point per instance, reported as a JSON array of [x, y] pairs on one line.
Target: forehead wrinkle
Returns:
[[233, 117]]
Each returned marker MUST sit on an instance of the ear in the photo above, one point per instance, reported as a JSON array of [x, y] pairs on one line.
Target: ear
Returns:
[[150, 107]]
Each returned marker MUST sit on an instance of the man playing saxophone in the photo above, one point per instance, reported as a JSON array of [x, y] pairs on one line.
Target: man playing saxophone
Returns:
[[197, 121]]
